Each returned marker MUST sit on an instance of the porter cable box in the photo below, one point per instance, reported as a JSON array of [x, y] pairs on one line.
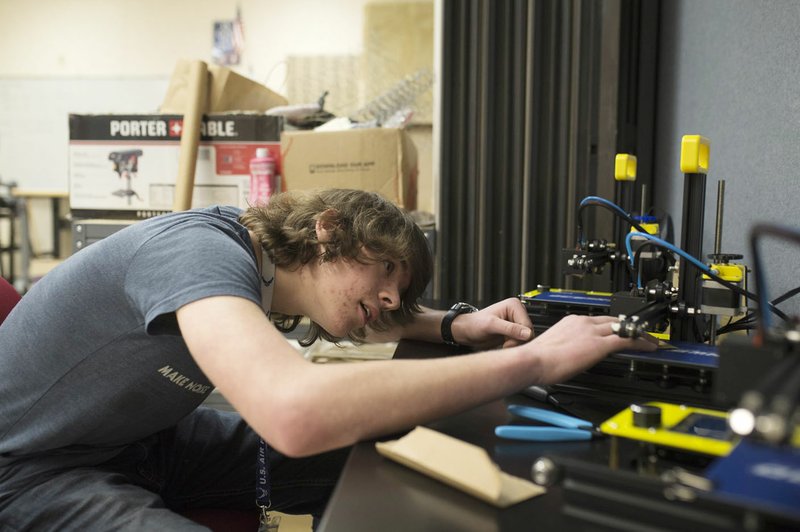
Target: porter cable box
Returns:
[[382, 160], [125, 166]]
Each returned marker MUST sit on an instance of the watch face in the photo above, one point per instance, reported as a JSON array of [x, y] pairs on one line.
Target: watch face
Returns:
[[463, 308]]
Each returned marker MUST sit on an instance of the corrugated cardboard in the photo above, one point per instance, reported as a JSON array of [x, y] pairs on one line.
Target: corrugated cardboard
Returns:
[[382, 160], [227, 91]]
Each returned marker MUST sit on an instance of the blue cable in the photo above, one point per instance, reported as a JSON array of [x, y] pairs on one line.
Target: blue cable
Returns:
[[611, 204], [667, 245], [597, 199]]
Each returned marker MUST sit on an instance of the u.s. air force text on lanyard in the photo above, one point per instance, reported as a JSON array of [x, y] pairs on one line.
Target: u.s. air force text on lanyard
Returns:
[[267, 522]]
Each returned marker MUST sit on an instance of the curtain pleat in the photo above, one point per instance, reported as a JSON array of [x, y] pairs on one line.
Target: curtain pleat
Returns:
[[532, 110]]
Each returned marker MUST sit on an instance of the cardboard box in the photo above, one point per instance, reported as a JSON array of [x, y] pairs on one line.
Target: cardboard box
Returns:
[[127, 164], [382, 160]]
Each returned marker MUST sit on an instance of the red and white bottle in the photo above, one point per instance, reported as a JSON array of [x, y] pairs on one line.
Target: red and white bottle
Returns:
[[262, 177]]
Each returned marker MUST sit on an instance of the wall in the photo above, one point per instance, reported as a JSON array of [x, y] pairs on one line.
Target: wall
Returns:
[[119, 39], [730, 70]]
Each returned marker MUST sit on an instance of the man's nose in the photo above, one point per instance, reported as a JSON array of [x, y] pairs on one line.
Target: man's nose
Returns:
[[390, 297]]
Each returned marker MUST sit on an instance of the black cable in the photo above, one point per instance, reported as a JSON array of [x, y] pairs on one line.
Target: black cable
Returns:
[[748, 318], [738, 289], [744, 324], [758, 231], [741, 291], [543, 394], [742, 328], [780, 299]]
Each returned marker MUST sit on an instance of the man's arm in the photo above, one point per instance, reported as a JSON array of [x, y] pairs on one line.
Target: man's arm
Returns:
[[302, 408], [505, 323]]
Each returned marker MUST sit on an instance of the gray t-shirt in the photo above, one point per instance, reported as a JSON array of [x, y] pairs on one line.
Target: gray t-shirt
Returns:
[[92, 358]]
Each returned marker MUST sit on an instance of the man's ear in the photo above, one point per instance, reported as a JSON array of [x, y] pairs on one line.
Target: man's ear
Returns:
[[326, 225]]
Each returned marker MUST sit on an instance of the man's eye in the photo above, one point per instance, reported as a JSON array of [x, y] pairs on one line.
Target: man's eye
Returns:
[[389, 266]]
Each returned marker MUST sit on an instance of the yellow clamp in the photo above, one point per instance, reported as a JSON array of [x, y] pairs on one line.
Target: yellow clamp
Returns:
[[625, 167], [651, 228], [694, 154], [733, 273]]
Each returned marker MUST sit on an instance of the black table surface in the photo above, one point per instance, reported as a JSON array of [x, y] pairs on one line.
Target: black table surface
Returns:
[[375, 493]]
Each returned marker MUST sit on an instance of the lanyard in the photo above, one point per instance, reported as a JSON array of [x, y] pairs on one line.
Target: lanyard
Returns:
[[263, 483], [267, 522], [266, 272]]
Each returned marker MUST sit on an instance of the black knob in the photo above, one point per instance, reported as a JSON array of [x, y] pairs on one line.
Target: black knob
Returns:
[[646, 416], [725, 258]]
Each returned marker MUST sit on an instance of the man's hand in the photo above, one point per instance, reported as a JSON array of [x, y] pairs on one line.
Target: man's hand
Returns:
[[577, 343], [506, 323]]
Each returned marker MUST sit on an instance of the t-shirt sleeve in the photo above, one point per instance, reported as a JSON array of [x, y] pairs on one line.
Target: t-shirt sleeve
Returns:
[[185, 263]]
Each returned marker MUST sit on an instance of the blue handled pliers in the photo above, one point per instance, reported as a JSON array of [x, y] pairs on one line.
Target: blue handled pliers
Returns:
[[567, 428]]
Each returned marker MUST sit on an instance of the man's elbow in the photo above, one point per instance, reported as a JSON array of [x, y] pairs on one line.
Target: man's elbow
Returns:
[[299, 431]]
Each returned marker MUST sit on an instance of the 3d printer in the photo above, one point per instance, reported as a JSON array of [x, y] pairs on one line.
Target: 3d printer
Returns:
[[752, 479], [667, 291]]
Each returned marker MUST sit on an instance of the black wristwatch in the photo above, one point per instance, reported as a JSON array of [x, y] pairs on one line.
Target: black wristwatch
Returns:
[[447, 321]]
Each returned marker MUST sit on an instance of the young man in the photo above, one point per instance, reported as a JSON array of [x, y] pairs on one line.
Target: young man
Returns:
[[105, 362]]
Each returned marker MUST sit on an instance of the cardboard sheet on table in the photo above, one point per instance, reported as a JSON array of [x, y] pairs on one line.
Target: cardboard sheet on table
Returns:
[[458, 464]]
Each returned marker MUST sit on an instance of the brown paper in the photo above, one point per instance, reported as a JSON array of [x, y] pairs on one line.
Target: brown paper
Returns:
[[460, 465], [227, 91]]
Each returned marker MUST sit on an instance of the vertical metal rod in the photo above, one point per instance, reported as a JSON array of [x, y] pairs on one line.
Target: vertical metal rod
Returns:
[[608, 95], [573, 41], [527, 185], [718, 225], [717, 245], [644, 200], [485, 17]]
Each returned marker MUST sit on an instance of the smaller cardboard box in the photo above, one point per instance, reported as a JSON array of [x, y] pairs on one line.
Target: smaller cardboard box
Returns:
[[382, 160]]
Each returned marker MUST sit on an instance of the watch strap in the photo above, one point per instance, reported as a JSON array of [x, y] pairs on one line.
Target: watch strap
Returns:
[[447, 321]]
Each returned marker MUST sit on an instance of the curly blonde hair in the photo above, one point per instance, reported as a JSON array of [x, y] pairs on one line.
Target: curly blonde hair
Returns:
[[355, 220]]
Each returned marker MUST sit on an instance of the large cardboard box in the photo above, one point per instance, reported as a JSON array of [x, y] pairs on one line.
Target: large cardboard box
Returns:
[[382, 160], [126, 165]]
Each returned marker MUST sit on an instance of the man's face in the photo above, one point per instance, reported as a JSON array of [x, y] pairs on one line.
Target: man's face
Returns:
[[351, 294]]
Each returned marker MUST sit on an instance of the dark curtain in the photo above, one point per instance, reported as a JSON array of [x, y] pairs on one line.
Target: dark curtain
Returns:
[[537, 98]]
